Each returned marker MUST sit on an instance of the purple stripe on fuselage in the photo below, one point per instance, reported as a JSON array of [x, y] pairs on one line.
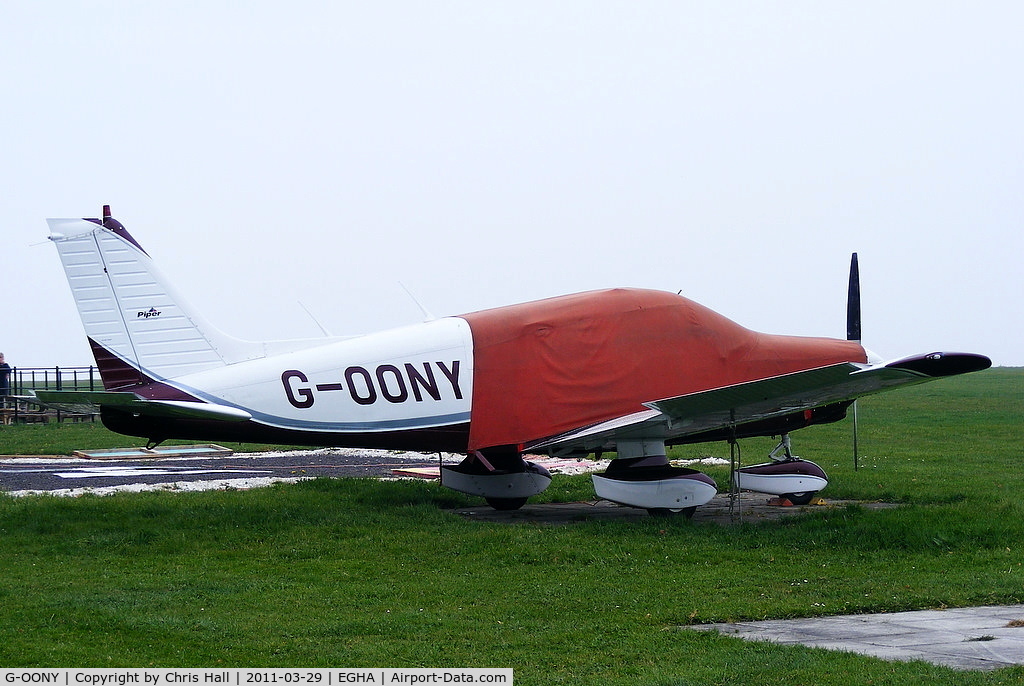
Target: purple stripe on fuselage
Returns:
[[118, 375]]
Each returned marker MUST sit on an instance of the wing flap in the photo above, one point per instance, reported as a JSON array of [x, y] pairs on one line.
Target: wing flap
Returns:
[[94, 401]]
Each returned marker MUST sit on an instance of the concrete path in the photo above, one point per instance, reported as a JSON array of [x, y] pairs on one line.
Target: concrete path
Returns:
[[962, 638]]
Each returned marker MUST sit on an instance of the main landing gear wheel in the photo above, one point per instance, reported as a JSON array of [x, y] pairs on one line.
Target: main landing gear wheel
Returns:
[[506, 504], [686, 512], [800, 498], [651, 483]]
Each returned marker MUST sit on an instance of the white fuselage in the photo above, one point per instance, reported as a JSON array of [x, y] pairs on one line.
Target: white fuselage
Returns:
[[413, 377]]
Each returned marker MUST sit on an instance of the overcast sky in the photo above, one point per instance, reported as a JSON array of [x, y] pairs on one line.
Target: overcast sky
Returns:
[[487, 153]]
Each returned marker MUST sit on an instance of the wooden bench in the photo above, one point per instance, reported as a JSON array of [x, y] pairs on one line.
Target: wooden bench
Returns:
[[23, 411]]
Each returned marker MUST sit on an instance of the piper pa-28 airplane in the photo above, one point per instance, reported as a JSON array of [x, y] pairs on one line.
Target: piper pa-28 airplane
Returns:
[[623, 370]]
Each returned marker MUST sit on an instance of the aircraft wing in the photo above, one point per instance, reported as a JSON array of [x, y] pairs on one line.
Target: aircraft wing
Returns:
[[761, 399], [93, 401]]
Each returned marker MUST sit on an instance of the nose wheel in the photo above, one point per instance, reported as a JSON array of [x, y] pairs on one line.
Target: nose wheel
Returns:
[[800, 498]]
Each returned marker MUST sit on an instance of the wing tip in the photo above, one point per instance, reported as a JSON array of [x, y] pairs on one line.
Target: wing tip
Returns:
[[940, 364]]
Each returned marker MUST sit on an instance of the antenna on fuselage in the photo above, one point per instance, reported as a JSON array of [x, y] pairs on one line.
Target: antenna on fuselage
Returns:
[[427, 315], [315, 320]]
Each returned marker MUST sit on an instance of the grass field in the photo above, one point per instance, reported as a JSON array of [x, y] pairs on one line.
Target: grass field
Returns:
[[354, 573]]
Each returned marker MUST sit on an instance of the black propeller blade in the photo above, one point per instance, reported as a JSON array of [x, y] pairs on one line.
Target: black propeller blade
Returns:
[[853, 334], [853, 302]]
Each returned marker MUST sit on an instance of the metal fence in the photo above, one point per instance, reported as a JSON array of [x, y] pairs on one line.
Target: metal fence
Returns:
[[26, 379]]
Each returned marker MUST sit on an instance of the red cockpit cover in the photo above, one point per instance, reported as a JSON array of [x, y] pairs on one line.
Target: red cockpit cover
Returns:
[[549, 366]]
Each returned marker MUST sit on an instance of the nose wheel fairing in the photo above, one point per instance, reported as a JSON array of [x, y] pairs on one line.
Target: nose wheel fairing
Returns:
[[789, 476], [796, 479]]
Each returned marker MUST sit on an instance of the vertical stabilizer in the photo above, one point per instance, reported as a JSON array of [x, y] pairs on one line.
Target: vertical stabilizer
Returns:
[[133, 317]]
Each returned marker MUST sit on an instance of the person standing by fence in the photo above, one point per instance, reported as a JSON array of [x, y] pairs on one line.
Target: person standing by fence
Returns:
[[5, 376]]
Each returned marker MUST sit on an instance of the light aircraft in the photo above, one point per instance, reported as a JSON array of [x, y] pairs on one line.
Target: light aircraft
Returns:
[[624, 370]]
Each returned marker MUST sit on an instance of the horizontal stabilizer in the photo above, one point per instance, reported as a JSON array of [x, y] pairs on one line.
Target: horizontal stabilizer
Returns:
[[93, 401]]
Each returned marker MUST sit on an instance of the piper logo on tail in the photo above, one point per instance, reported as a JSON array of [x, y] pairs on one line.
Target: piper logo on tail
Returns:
[[153, 312]]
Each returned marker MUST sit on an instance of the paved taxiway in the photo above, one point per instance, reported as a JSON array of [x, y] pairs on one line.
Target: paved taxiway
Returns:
[[73, 476], [962, 638]]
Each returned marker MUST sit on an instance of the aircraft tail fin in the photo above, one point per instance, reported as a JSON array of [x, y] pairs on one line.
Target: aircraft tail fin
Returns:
[[139, 327]]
